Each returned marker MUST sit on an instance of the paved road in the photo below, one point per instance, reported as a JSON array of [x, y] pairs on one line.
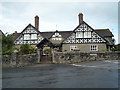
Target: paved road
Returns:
[[97, 74]]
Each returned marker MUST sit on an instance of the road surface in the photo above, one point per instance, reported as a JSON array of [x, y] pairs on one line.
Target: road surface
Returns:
[[97, 74]]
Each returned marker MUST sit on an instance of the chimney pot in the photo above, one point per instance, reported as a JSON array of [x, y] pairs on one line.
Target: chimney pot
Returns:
[[37, 22], [80, 18], [15, 31]]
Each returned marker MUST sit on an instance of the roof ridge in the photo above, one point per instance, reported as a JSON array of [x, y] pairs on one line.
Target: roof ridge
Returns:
[[101, 29]]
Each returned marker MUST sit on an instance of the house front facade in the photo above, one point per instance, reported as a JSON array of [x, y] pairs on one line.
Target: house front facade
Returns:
[[83, 38]]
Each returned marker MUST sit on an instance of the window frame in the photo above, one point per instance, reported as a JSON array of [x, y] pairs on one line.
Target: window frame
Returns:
[[83, 34], [33, 38], [25, 35], [93, 47], [73, 47]]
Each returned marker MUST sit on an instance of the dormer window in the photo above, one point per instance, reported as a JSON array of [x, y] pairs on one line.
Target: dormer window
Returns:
[[56, 36]]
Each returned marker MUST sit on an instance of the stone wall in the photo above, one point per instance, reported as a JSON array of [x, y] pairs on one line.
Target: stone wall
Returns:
[[76, 57], [15, 60], [19, 60]]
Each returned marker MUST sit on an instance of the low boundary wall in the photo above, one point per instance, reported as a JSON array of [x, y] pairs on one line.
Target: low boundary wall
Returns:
[[76, 57], [15, 60], [19, 60]]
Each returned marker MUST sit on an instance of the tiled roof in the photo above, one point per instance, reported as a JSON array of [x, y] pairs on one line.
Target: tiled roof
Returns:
[[49, 34], [65, 34], [104, 32], [15, 35]]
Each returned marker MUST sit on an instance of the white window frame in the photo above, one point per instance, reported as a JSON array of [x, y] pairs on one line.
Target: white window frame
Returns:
[[26, 36], [79, 35], [33, 36], [87, 34], [57, 38], [93, 47]]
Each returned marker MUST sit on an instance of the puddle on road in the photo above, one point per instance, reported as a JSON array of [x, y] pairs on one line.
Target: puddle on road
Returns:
[[83, 66], [112, 61]]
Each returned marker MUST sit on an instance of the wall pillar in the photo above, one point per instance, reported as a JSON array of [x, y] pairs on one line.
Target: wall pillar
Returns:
[[13, 61], [109, 48], [52, 50], [39, 55]]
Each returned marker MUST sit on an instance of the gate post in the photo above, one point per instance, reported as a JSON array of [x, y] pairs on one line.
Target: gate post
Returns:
[[52, 55], [39, 55]]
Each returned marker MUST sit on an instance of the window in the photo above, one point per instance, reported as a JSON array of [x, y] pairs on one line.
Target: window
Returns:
[[26, 36], [57, 38], [72, 48], [79, 34], [87, 34], [93, 48], [33, 36], [56, 34], [83, 34]]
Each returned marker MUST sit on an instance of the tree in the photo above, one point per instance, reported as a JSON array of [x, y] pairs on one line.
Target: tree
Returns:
[[116, 48], [7, 44]]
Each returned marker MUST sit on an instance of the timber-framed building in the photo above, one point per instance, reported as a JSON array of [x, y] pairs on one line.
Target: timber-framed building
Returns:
[[83, 38]]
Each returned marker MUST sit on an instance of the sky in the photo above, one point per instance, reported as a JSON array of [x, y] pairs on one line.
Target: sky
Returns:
[[63, 16]]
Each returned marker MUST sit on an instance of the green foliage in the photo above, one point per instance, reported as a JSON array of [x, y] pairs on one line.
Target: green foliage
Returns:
[[116, 48], [47, 51], [7, 45], [27, 49]]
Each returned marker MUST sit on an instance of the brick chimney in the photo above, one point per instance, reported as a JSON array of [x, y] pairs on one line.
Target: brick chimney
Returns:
[[80, 16], [37, 22]]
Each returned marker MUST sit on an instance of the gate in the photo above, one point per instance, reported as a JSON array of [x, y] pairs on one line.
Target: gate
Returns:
[[45, 53], [46, 59]]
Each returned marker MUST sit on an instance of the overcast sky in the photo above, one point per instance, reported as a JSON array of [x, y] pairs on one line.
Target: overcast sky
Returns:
[[15, 16]]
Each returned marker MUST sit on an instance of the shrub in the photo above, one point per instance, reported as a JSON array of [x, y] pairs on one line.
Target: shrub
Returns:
[[47, 51], [27, 49], [116, 48]]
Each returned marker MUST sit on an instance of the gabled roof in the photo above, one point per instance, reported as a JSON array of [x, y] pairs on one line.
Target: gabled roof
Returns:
[[89, 27], [104, 32], [32, 27], [44, 42], [15, 36], [1, 33]]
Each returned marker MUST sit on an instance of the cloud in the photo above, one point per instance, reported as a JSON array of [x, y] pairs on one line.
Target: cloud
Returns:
[[17, 15]]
